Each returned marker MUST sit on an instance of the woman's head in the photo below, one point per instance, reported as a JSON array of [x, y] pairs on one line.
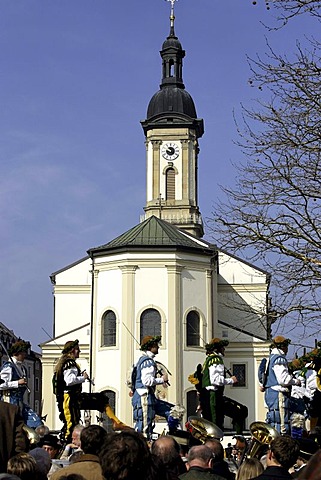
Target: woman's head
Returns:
[[250, 468]]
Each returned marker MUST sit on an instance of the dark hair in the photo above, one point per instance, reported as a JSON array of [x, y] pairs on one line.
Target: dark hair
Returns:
[[126, 455], [92, 439], [217, 448], [285, 450]]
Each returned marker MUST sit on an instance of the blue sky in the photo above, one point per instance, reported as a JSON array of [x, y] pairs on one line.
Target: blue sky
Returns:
[[76, 78]]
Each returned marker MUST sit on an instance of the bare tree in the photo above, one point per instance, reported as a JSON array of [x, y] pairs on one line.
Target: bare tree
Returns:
[[286, 10], [273, 213]]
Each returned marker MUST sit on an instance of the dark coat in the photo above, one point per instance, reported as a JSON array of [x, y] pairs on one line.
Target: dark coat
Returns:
[[221, 468], [13, 437], [274, 473], [196, 473]]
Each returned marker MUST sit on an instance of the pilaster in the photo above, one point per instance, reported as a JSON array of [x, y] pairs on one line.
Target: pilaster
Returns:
[[126, 334], [174, 333]]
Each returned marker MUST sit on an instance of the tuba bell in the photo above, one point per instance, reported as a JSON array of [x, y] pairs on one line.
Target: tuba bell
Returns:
[[262, 435], [31, 434], [202, 429]]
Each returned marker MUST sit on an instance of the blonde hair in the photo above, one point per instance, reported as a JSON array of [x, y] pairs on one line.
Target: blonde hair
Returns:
[[250, 468]]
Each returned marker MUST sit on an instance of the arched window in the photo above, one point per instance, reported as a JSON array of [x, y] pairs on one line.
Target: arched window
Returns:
[[108, 329], [150, 323], [107, 423], [193, 329], [191, 403], [170, 184]]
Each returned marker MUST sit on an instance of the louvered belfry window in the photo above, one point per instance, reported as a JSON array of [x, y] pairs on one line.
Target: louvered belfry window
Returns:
[[170, 184]]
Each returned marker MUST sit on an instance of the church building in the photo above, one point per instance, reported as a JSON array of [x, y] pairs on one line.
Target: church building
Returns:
[[161, 277]]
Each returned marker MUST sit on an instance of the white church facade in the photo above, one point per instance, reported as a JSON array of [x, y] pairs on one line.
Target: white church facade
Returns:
[[161, 277]]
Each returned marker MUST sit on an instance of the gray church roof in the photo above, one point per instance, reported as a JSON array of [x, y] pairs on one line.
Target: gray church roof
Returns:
[[154, 233]]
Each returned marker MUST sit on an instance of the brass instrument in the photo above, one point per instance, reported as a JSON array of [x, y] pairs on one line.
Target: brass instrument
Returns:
[[262, 435], [202, 429], [31, 434]]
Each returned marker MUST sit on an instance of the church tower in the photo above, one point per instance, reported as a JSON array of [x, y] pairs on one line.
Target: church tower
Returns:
[[172, 130]]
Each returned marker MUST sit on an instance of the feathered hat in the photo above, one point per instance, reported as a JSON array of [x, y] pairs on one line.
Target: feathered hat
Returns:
[[279, 341], [215, 344], [148, 341], [69, 346], [19, 347]]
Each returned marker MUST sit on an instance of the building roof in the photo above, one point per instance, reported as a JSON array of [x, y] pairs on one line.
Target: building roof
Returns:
[[154, 233]]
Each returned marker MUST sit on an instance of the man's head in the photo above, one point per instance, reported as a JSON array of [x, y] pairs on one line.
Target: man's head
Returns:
[[150, 343], [217, 449], [200, 456], [166, 448], [125, 455], [42, 458], [284, 451], [71, 348], [50, 443], [92, 439], [75, 436], [216, 345], [281, 343], [19, 350]]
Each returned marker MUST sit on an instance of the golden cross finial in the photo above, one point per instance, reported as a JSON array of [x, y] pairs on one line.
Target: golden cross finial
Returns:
[[172, 16]]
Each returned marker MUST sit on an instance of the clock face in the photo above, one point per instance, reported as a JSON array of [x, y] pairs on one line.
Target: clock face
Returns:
[[170, 151]]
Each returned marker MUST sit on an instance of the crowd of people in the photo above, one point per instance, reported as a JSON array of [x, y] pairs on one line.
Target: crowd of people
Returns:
[[291, 393], [128, 455]]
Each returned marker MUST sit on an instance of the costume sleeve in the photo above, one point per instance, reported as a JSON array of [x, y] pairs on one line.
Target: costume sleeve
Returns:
[[6, 375], [148, 374], [311, 383], [217, 377], [283, 376], [71, 377]]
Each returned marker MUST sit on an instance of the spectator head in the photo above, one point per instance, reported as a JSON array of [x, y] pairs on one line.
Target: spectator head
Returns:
[[43, 460], [283, 451], [24, 466], [51, 444], [200, 456], [217, 449], [167, 450], [42, 430], [75, 436], [126, 455], [250, 468], [92, 439]]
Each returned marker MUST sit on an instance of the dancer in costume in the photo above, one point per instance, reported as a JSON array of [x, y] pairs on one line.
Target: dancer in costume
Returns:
[[14, 376], [67, 386], [144, 382]]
